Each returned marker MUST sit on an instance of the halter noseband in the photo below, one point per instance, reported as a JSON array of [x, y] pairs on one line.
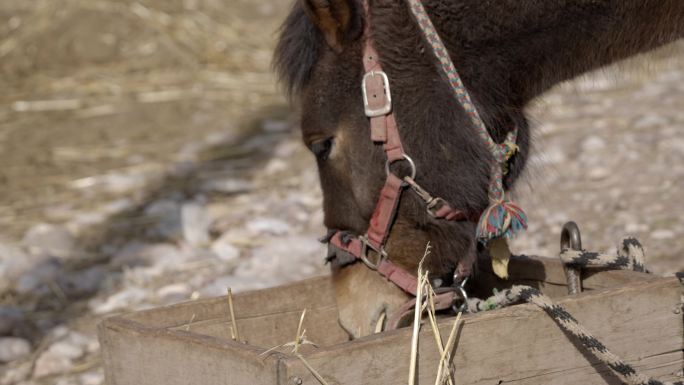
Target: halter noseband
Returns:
[[497, 221]]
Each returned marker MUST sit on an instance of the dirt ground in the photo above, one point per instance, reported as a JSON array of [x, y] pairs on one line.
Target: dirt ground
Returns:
[[150, 138], [94, 87]]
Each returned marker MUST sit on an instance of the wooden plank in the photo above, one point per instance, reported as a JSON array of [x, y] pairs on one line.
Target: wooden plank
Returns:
[[271, 330], [140, 355], [265, 318], [312, 293], [521, 344]]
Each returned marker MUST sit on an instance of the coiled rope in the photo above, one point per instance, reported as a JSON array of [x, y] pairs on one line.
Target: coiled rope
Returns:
[[630, 256]]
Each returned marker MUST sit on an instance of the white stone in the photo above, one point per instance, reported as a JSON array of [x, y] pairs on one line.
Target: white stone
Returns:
[[50, 239], [662, 234], [121, 300], [92, 378], [12, 349], [141, 254], [14, 263], [599, 173], [272, 226], [650, 121], [282, 260], [593, 143], [174, 293], [67, 349], [196, 222], [225, 250], [227, 186]]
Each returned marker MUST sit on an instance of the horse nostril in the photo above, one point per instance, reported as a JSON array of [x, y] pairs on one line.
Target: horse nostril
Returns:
[[321, 148]]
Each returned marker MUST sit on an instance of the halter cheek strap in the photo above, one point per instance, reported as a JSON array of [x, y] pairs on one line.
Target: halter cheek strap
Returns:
[[370, 248]]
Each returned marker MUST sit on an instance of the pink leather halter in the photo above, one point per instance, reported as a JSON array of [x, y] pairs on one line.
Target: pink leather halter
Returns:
[[377, 100]]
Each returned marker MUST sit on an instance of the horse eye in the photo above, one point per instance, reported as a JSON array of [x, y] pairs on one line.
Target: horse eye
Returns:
[[321, 148]]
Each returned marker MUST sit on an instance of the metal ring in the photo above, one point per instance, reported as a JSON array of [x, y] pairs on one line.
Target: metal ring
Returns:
[[406, 158], [572, 240], [464, 297], [570, 237]]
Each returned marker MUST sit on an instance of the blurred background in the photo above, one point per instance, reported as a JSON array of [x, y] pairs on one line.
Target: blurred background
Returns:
[[148, 157]]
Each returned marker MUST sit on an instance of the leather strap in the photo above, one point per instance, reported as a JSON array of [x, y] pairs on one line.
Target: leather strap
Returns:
[[384, 130]]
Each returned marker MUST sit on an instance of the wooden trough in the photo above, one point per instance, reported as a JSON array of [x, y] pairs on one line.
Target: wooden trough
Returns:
[[638, 316]]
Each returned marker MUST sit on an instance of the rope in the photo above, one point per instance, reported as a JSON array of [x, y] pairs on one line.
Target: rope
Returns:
[[630, 256], [502, 218], [567, 322]]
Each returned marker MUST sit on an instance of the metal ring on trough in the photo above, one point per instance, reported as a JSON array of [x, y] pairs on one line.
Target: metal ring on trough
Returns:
[[571, 239]]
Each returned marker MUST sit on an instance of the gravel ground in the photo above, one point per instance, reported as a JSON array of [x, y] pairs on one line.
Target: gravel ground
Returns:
[[220, 193]]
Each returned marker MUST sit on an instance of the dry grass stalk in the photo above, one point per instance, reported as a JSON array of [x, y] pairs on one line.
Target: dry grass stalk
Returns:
[[439, 380], [300, 339], [426, 293], [192, 319], [418, 314], [234, 332], [444, 375]]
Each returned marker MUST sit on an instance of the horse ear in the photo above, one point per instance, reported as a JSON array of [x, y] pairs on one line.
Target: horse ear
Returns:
[[338, 20]]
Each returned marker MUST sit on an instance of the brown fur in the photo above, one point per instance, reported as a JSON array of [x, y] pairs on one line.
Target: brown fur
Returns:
[[507, 52]]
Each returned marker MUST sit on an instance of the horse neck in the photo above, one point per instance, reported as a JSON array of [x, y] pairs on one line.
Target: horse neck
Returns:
[[510, 51]]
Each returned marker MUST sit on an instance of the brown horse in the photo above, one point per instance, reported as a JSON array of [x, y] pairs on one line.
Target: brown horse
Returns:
[[508, 52]]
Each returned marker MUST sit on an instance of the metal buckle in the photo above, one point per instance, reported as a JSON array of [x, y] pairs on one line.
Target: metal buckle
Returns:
[[387, 108], [406, 158], [365, 246], [434, 205]]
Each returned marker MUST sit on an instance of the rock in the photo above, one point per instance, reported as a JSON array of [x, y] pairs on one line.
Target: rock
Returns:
[[275, 126], [10, 317], [225, 250], [649, 121], [227, 186], [272, 226], [61, 355], [142, 254], [12, 349], [124, 299], [598, 173], [36, 280], [67, 381], [196, 222], [167, 214], [82, 283], [67, 349], [92, 378], [174, 293], [51, 240], [14, 263], [14, 374], [662, 234], [593, 143], [283, 260]]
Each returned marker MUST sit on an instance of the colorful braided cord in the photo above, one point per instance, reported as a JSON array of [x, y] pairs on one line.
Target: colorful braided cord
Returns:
[[502, 218]]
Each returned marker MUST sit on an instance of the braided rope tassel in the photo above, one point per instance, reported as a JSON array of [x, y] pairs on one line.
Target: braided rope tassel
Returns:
[[502, 218]]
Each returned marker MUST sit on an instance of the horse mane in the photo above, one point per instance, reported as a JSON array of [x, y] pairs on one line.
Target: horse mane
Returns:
[[297, 50]]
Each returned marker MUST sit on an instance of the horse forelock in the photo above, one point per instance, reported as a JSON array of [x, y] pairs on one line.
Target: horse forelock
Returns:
[[297, 50]]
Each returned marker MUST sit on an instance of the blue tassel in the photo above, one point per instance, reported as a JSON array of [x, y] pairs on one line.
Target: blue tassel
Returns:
[[503, 219]]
